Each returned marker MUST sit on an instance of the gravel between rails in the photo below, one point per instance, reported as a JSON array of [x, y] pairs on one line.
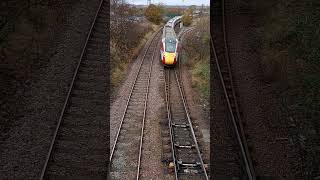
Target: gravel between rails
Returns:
[[23, 152]]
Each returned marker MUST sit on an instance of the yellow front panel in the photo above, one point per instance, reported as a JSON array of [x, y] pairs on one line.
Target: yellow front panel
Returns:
[[169, 58]]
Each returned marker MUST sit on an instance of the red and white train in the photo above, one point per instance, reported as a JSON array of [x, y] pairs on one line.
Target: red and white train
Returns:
[[169, 52]]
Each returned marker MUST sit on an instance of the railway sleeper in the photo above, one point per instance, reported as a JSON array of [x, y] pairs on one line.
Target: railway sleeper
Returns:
[[131, 127], [137, 100], [142, 82], [100, 34], [135, 103], [79, 159], [86, 153], [100, 56], [181, 125], [136, 109], [134, 115], [92, 146], [140, 89], [226, 79], [89, 101], [63, 177], [188, 164], [94, 124], [94, 62], [179, 120], [101, 29], [83, 132], [91, 76], [94, 82], [89, 107], [89, 114], [179, 117], [92, 50], [182, 133], [95, 55], [93, 85], [62, 169], [89, 94], [139, 95], [178, 145]]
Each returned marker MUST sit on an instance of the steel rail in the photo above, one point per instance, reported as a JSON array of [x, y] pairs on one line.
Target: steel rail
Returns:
[[129, 97], [167, 91], [233, 118], [144, 114], [248, 165], [184, 32], [69, 92], [190, 123]]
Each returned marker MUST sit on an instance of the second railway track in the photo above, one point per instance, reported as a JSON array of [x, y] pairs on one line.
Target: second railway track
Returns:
[[127, 147], [186, 154]]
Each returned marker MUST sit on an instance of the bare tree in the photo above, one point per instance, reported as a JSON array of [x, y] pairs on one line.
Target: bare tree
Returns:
[[119, 22]]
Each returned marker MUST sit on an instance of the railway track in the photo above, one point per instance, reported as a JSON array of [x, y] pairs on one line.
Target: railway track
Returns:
[[186, 155], [222, 62], [79, 145], [126, 152]]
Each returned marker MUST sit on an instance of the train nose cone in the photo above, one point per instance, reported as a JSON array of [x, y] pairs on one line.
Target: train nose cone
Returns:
[[170, 58]]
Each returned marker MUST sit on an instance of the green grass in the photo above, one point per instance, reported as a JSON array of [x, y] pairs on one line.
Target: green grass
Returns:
[[197, 58], [201, 78]]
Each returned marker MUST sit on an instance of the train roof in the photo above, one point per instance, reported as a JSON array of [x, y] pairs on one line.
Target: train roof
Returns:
[[168, 32]]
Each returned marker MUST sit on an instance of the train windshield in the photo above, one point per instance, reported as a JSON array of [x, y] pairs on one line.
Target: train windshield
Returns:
[[171, 45]]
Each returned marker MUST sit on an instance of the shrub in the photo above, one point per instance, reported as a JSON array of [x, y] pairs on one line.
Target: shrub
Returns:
[[187, 17], [154, 13]]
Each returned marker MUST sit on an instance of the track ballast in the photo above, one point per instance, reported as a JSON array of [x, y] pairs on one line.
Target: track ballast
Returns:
[[186, 155], [127, 147], [79, 145]]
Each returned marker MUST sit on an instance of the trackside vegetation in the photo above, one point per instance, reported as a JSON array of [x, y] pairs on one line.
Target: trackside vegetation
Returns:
[[187, 17], [154, 13], [196, 49]]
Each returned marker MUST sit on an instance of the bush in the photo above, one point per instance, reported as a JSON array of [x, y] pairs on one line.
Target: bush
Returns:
[[186, 20], [154, 13], [187, 17]]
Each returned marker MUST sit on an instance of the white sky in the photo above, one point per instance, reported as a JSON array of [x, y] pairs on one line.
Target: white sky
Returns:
[[171, 2]]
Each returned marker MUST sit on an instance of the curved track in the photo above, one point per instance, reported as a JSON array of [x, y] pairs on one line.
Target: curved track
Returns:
[[79, 146], [186, 157], [127, 147], [222, 61]]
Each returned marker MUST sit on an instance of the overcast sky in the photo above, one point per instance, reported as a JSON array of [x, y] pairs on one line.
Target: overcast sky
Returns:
[[172, 2]]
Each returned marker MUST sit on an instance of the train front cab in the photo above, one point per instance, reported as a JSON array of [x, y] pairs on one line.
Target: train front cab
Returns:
[[169, 52]]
